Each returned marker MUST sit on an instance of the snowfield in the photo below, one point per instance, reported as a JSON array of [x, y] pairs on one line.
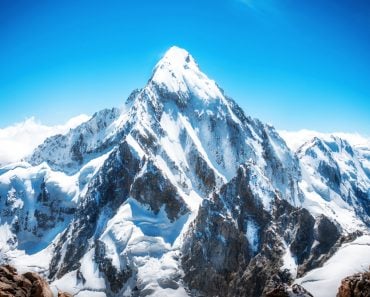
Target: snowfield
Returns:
[[351, 258]]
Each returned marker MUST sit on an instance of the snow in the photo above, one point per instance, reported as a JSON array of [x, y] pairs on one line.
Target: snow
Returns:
[[70, 151], [289, 262], [252, 235], [197, 142], [320, 198], [335, 209], [27, 175], [171, 143], [178, 72], [38, 262], [157, 274], [89, 293], [86, 173], [90, 272], [133, 143], [141, 222], [351, 258], [261, 186], [191, 198], [146, 240]]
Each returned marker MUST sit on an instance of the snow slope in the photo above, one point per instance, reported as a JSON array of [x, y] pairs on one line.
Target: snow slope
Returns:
[[351, 258]]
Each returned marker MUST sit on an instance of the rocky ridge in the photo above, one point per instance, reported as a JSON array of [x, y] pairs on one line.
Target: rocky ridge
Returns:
[[357, 285]]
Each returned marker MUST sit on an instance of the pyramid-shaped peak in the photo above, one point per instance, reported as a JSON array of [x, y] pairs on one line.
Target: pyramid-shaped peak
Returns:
[[176, 52], [177, 58], [178, 72]]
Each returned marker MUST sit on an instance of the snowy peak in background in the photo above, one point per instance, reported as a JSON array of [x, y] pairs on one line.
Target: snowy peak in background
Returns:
[[336, 170]]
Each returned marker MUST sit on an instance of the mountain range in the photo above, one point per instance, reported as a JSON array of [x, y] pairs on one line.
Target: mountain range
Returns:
[[180, 193]]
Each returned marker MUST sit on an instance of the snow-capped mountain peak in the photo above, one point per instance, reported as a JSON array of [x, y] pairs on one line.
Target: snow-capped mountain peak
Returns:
[[142, 200], [179, 73]]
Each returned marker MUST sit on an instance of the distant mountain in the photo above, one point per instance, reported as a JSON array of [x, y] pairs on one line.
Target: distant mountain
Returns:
[[179, 193], [19, 140]]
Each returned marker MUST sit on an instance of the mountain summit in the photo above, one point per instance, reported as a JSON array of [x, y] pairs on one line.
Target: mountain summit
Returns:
[[178, 72], [176, 192]]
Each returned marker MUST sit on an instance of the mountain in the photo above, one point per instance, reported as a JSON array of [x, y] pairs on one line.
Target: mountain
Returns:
[[19, 140], [178, 193], [335, 172]]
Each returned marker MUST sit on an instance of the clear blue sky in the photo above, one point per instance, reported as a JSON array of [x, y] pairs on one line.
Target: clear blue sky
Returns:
[[295, 64]]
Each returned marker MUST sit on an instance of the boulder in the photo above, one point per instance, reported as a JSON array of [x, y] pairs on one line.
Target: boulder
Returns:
[[29, 284], [357, 285]]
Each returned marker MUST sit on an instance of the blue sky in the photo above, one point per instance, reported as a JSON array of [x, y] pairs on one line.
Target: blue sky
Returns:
[[294, 64]]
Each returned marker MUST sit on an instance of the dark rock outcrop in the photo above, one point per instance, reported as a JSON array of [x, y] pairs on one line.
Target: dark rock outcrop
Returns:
[[357, 285], [29, 284], [282, 290], [154, 190], [62, 294]]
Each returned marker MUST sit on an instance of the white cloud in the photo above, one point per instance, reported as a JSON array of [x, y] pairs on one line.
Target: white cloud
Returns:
[[20, 139], [294, 139]]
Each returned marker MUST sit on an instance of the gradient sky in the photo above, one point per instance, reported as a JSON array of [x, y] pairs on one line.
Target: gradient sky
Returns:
[[294, 64]]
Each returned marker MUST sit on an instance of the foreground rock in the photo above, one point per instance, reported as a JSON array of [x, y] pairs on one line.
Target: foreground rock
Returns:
[[357, 285], [29, 284], [285, 291]]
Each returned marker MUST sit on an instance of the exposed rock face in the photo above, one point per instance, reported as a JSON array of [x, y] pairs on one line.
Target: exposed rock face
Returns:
[[326, 234], [285, 291], [153, 183], [29, 284], [357, 285], [239, 243]]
